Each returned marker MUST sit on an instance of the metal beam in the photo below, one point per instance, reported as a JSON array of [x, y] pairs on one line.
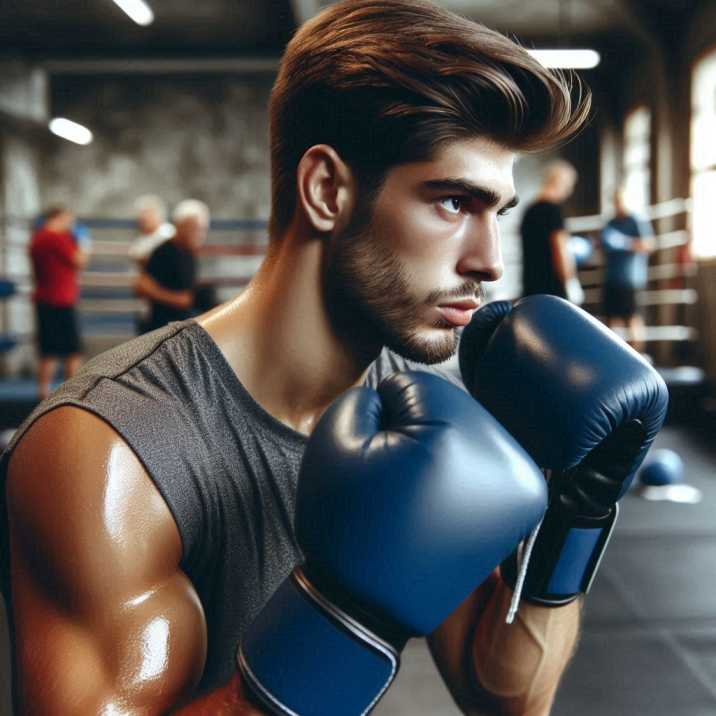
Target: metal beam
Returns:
[[160, 66]]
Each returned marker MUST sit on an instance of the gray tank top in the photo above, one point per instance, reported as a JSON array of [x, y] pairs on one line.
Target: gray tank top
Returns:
[[226, 468]]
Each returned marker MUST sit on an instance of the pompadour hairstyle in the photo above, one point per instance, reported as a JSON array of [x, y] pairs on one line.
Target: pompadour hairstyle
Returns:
[[386, 82]]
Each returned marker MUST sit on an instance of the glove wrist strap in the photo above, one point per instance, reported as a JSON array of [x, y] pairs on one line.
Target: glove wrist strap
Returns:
[[564, 559], [303, 654]]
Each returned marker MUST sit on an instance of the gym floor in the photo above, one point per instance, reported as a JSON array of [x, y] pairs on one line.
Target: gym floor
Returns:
[[648, 644]]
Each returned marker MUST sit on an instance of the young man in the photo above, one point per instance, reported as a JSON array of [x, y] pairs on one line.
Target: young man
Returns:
[[57, 259], [168, 280], [151, 502], [547, 262]]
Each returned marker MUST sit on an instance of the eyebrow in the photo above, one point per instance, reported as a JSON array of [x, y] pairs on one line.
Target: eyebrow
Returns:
[[485, 195]]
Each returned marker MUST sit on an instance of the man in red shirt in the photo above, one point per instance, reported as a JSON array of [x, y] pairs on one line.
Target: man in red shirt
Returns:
[[56, 262]]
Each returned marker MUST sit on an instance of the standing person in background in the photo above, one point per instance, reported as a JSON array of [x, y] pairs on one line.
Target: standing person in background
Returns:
[[169, 278], [547, 262], [57, 258], [627, 241], [154, 230]]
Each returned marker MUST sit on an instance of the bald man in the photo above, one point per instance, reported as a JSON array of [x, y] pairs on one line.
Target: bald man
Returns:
[[547, 263]]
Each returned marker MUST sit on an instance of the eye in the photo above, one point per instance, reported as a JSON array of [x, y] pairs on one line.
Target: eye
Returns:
[[452, 204], [503, 212]]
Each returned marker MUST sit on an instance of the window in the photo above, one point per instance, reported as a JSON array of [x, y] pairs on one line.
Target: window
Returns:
[[703, 156], [637, 156]]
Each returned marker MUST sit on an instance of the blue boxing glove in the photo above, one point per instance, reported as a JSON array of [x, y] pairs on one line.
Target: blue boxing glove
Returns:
[[408, 497], [584, 405]]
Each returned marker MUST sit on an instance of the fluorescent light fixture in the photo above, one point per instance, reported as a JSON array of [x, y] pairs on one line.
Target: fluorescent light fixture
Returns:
[[567, 59], [71, 131], [138, 10]]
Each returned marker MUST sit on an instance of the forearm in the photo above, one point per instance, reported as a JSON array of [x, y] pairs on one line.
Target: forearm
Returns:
[[517, 667], [147, 287], [81, 259], [561, 256]]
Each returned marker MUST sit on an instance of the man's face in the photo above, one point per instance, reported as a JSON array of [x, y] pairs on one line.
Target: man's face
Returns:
[[67, 220], [191, 232], [148, 220], [568, 180], [620, 205], [407, 271]]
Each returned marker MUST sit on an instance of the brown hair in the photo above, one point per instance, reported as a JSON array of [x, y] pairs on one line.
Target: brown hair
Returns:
[[53, 212], [386, 82]]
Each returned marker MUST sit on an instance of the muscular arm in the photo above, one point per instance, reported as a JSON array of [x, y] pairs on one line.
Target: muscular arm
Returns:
[[147, 287], [493, 668], [105, 620]]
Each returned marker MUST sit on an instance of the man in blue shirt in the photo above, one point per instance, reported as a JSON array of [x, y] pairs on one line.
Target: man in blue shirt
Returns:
[[627, 241]]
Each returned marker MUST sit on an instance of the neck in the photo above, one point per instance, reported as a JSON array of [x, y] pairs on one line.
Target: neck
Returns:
[[278, 338]]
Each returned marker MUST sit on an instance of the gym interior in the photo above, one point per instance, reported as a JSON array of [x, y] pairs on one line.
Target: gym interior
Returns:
[[176, 107]]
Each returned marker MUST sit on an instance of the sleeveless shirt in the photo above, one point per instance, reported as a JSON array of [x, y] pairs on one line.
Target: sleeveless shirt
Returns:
[[225, 467]]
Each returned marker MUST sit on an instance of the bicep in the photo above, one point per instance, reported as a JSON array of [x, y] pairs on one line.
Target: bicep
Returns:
[[138, 650], [102, 614]]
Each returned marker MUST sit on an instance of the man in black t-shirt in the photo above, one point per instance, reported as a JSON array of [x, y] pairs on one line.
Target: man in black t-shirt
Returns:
[[547, 264], [169, 279]]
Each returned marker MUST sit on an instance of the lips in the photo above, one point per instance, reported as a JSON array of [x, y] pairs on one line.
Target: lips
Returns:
[[459, 313]]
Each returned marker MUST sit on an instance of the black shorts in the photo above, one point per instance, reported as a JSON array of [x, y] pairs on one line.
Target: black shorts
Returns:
[[619, 301], [57, 330]]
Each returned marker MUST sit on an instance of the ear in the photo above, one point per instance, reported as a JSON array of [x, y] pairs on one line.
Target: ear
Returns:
[[326, 188]]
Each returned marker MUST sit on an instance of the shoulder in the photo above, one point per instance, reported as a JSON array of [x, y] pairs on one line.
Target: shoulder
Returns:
[[76, 486], [95, 566], [161, 252], [553, 210]]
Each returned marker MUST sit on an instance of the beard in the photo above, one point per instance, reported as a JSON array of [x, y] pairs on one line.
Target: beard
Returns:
[[370, 304]]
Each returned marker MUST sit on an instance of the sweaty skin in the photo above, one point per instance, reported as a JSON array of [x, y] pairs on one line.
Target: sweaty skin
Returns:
[[106, 621]]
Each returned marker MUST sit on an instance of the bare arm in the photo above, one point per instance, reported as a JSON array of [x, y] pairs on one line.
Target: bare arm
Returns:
[[562, 258], [496, 668], [147, 287], [105, 620], [81, 259], [644, 244]]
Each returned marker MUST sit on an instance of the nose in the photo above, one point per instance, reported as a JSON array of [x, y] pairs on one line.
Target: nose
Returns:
[[482, 255]]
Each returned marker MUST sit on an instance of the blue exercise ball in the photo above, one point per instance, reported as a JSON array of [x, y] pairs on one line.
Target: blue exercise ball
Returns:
[[662, 467]]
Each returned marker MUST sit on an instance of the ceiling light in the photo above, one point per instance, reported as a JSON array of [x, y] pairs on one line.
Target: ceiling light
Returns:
[[71, 131], [567, 59], [138, 10]]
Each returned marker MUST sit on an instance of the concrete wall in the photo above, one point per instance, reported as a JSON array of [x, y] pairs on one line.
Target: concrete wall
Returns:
[[203, 136], [23, 90]]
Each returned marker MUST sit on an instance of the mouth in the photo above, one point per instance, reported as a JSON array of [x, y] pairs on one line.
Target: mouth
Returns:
[[459, 313]]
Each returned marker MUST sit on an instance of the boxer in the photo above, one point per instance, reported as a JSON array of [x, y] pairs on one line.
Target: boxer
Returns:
[[151, 500]]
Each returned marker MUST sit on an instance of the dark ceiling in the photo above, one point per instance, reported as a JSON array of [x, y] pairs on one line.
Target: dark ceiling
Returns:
[[71, 28], [62, 29]]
